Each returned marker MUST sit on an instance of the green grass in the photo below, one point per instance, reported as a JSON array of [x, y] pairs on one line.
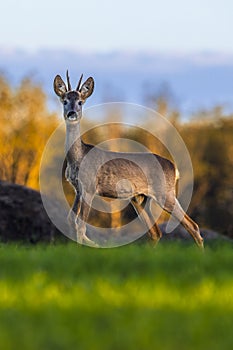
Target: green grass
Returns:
[[134, 297]]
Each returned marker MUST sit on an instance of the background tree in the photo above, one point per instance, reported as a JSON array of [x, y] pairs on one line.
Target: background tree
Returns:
[[25, 125]]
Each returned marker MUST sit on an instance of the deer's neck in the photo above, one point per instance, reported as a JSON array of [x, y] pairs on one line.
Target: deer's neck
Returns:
[[74, 146]]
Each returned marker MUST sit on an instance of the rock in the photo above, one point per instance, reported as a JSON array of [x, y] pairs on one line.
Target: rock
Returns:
[[179, 233], [23, 217]]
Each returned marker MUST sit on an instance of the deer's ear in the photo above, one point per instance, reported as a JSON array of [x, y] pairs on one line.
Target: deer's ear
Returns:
[[87, 88], [59, 86]]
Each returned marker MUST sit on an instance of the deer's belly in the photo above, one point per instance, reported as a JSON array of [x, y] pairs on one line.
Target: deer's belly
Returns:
[[121, 187]]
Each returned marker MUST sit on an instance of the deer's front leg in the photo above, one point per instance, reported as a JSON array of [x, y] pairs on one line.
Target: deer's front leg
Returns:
[[83, 209], [71, 218]]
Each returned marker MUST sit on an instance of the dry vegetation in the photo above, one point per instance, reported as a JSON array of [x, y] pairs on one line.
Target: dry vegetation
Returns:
[[26, 125]]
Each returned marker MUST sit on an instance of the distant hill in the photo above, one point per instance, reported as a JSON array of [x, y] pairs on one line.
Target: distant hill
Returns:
[[198, 81]]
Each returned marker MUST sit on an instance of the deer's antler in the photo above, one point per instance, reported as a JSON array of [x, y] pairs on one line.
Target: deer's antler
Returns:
[[68, 81], [79, 83]]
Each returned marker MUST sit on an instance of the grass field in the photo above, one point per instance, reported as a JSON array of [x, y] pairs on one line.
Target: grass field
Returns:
[[134, 297]]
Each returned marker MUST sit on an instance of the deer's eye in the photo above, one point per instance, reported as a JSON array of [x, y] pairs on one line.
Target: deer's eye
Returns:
[[80, 103], [65, 102]]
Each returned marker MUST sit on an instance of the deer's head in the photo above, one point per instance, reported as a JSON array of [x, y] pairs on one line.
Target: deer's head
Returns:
[[73, 100]]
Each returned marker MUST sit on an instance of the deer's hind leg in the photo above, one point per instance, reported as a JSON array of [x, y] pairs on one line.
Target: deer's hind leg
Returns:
[[145, 216], [173, 207]]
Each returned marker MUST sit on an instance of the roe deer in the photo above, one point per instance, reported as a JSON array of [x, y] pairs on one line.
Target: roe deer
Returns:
[[135, 176]]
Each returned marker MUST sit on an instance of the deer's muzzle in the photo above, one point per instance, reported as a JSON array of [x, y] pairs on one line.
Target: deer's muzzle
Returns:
[[72, 115]]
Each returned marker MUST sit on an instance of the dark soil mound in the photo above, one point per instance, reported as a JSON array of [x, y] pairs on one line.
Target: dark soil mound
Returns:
[[23, 217]]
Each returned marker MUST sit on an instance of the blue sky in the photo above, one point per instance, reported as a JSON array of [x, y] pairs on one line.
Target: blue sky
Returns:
[[104, 25]]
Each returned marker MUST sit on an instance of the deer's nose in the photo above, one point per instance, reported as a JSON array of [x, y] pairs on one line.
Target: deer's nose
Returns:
[[72, 115]]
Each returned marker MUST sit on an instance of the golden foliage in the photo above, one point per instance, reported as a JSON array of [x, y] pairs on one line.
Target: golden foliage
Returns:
[[25, 125], [210, 146]]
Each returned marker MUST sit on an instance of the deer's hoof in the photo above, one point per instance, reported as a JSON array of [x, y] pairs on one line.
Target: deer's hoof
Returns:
[[87, 241]]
